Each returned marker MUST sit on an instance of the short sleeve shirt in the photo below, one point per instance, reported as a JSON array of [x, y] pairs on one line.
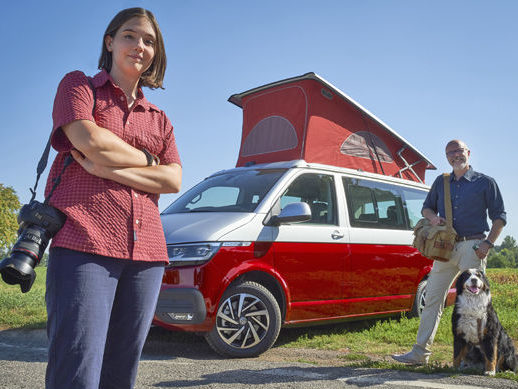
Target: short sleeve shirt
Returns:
[[474, 197], [103, 216]]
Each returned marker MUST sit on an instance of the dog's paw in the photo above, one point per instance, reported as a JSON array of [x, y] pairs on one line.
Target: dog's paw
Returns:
[[490, 372]]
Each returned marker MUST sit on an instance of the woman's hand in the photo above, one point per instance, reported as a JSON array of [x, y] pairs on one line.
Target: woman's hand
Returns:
[[151, 179], [89, 165]]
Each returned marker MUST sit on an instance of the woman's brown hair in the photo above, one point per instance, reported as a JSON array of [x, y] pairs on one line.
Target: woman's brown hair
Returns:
[[152, 77]]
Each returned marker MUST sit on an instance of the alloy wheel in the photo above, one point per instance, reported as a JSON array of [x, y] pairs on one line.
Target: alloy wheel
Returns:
[[242, 320]]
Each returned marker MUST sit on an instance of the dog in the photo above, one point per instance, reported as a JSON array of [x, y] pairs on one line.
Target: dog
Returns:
[[478, 336]]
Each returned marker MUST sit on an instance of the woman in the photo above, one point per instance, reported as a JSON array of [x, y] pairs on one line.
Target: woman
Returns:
[[106, 263]]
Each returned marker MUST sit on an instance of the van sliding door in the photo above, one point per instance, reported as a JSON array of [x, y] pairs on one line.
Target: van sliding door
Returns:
[[382, 267]]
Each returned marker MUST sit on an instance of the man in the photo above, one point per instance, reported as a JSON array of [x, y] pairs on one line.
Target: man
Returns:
[[474, 196]]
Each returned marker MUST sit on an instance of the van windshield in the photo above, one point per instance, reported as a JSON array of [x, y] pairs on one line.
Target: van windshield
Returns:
[[237, 191]]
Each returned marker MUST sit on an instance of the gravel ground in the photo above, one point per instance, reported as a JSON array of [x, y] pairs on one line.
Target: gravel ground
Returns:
[[189, 363]]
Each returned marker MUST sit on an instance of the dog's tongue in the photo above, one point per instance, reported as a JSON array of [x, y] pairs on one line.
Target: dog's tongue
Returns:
[[474, 289]]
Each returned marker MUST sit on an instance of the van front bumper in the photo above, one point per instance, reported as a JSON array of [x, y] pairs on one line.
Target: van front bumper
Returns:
[[180, 306]]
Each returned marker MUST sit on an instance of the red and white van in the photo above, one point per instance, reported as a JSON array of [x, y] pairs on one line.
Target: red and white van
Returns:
[[313, 225]]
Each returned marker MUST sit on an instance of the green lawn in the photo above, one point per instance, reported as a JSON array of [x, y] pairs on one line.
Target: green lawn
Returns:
[[24, 310]]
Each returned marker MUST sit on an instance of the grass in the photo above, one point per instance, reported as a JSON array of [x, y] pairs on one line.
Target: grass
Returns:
[[24, 310], [365, 343]]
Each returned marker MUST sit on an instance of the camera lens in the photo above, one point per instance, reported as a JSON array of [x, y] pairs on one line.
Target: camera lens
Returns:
[[38, 224], [18, 269]]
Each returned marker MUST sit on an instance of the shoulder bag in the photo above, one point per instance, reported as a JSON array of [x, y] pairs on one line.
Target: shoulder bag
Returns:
[[437, 242]]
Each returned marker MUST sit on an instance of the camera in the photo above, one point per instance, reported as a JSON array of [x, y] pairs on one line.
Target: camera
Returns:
[[38, 223]]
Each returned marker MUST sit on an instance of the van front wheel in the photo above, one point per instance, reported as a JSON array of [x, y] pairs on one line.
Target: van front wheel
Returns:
[[247, 323]]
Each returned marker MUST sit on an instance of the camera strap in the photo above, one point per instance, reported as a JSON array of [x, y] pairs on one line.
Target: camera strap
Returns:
[[42, 164]]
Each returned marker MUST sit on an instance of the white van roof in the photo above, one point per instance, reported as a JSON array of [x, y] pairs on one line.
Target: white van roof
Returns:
[[317, 166]]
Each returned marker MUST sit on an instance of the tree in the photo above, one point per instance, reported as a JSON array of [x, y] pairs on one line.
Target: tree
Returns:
[[498, 261], [9, 207], [505, 255], [508, 243]]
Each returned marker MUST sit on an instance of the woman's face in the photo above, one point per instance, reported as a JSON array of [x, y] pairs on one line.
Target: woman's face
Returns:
[[132, 48]]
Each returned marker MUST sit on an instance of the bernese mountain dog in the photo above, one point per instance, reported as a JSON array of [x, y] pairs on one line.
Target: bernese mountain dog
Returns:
[[478, 337]]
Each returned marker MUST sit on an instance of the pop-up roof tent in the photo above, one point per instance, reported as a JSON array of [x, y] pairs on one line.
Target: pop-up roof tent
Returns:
[[307, 118]]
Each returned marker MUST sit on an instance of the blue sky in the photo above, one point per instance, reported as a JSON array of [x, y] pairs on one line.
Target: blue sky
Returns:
[[432, 71]]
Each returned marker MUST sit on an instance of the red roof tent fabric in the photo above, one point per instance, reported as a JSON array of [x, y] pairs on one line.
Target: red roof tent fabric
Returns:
[[307, 118]]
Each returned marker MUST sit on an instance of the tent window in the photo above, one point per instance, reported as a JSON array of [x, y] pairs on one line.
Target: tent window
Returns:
[[364, 144], [274, 133]]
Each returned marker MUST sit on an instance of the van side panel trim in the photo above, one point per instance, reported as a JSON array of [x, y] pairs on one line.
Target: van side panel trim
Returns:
[[305, 310]]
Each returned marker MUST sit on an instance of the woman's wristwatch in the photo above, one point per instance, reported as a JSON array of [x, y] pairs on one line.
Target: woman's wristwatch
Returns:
[[151, 158]]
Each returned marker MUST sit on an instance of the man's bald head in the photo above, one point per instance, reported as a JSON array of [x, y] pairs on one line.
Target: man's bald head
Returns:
[[456, 143]]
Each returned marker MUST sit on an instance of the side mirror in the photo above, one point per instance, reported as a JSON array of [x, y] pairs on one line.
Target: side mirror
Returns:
[[292, 213]]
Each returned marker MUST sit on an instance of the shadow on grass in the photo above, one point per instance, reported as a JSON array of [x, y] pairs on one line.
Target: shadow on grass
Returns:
[[39, 325]]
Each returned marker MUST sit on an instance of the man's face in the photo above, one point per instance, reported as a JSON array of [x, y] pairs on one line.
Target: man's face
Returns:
[[457, 155]]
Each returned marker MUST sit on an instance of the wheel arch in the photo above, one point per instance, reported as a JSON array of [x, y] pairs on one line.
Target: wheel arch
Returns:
[[424, 273], [267, 280]]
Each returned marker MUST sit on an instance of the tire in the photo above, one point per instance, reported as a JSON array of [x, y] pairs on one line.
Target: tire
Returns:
[[248, 321], [419, 301]]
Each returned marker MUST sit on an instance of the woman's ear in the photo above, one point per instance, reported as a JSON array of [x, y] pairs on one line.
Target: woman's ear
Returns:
[[108, 42]]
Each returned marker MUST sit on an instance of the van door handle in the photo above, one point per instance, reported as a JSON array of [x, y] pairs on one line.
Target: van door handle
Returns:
[[337, 235]]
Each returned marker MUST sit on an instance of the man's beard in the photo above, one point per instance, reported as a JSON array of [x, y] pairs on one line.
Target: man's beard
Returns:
[[460, 165]]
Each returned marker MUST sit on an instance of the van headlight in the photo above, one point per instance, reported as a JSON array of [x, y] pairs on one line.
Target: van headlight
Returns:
[[192, 253]]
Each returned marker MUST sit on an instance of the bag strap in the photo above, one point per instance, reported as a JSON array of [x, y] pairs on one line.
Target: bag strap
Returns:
[[447, 200], [42, 164]]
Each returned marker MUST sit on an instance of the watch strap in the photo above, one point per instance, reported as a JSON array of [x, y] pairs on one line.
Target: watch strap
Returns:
[[491, 244], [149, 157]]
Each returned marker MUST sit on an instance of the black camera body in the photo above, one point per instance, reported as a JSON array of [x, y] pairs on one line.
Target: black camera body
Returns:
[[38, 222]]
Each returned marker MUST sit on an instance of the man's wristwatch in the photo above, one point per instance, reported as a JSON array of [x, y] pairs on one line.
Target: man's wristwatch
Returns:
[[489, 243]]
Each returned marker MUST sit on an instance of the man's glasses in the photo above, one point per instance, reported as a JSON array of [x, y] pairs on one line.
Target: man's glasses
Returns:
[[456, 151]]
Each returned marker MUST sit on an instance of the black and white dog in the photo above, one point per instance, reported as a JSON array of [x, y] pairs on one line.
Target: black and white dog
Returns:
[[478, 337]]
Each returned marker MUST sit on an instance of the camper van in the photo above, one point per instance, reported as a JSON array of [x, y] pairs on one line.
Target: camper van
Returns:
[[313, 225]]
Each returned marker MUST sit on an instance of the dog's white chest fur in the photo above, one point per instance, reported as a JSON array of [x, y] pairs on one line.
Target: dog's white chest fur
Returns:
[[473, 316]]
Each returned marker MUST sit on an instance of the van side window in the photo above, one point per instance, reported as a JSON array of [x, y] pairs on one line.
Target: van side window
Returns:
[[318, 191], [380, 205], [414, 200]]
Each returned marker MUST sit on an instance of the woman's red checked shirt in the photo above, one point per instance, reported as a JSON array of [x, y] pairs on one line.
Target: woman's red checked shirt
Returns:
[[103, 216]]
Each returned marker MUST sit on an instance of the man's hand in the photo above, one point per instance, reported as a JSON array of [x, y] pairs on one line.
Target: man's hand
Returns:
[[432, 217], [437, 221], [483, 250]]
